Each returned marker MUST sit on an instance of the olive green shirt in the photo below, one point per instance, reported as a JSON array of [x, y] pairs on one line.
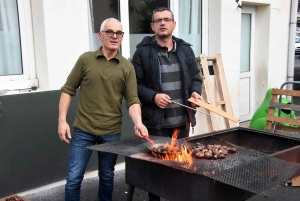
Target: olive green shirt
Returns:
[[103, 83]]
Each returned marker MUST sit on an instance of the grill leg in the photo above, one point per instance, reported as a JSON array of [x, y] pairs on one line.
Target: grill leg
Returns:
[[130, 193]]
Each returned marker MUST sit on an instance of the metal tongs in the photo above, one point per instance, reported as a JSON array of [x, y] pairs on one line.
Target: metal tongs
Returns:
[[147, 138]]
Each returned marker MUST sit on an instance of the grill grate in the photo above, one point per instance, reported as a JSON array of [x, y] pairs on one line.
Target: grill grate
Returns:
[[246, 169]]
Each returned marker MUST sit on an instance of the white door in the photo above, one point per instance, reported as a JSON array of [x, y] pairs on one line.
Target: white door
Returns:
[[246, 62]]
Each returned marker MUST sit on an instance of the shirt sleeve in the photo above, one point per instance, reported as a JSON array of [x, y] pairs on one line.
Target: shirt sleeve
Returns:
[[130, 92], [74, 78]]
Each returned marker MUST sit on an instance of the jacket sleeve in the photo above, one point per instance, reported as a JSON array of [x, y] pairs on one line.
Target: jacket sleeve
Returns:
[[195, 75], [145, 94]]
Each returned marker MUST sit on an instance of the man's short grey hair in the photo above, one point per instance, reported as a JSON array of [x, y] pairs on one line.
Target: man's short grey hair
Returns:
[[102, 27], [160, 10]]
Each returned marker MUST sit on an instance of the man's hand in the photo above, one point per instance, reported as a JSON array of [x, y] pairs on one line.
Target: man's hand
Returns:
[[140, 130], [162, 100], [63, 131], [197, 97]]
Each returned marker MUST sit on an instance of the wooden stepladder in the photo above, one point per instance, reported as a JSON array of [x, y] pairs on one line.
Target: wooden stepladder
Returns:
[[219, 96]]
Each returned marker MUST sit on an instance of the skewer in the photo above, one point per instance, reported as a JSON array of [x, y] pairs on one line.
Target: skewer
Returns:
[[191, 108]]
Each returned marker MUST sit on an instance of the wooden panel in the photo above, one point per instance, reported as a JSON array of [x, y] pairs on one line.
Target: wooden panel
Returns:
[[283, 120], [204, 96], [274, 123], [286, 92], [288, 128], [285, 106], [223, 82], [220, 103], [211, 58], [216, 97], [209, 90], [291, 132], [271, 113], [214, 109], [296, 181], [219, 90], [208, 119]]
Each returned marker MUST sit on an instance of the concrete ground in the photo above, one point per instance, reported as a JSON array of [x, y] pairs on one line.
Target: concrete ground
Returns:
[[89, 189]]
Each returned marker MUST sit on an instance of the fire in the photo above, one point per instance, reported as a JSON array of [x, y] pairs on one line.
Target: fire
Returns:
[[178, 153]]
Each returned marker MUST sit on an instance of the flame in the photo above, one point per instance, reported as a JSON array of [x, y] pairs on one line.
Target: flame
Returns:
[[183, 155]]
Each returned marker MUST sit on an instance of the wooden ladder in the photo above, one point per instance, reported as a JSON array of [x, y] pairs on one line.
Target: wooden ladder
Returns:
[[278, 124], [222, 98]]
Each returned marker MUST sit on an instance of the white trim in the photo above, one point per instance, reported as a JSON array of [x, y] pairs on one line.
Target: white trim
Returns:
[[250, 10], [174, 7], [205, 29], [124, 16], [28, 78]]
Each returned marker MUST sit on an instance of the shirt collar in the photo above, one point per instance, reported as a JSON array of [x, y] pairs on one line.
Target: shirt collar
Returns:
[[99, 53], [163, 47]]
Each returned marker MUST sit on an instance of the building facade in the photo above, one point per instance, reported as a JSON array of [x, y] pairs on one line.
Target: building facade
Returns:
[[43, 39]]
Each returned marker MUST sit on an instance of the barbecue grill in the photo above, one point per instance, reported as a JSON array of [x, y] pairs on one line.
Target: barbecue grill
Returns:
[[262, 163]]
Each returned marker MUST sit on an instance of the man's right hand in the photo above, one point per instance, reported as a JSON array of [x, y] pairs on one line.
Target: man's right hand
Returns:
[[63, 131], [162, 100]]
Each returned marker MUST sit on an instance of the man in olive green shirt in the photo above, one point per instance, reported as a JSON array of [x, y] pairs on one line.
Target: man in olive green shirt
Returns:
[[104, 78]]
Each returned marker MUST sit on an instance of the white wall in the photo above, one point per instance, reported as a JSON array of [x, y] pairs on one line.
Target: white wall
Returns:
[[230, 49], [60, 35]]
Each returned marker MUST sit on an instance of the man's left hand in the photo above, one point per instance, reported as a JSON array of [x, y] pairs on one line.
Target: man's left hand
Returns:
[[197, 98]]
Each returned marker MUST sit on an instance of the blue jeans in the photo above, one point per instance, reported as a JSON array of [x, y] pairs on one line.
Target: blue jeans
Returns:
[[78, 159]]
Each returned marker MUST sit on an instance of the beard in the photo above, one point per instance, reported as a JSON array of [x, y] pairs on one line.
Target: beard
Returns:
[[163, 35]]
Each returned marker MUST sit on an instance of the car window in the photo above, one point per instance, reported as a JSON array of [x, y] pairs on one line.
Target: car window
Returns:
[[297, 40]]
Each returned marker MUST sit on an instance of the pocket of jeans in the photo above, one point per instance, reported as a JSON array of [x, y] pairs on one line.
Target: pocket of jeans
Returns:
[[82, 139]]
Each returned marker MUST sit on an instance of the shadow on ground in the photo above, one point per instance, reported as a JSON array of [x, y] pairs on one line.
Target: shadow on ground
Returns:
[[89, 191]]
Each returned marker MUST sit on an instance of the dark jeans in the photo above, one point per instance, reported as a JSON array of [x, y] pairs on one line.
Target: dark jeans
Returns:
[[167, 132], [78, 159]]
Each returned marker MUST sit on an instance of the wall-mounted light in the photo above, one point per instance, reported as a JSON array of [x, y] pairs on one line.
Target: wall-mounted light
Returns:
[[239, 5]]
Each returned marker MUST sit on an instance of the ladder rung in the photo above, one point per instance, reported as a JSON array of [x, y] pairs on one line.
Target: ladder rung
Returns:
[[211, 58], [220, 103]]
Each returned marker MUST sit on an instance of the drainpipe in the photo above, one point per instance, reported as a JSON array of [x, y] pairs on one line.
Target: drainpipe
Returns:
[[291, 50]]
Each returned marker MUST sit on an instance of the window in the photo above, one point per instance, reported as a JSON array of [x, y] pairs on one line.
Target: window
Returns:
[[140, 18], [136, 17], [10, 56], [99, 11], [17, 66], [190, 22]]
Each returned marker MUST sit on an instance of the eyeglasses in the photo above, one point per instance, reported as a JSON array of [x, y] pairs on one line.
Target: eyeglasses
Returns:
[[167, 20], [111, 33]]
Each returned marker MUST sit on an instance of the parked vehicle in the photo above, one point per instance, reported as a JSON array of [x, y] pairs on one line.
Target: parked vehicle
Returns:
[[298, 31], [297, 46]]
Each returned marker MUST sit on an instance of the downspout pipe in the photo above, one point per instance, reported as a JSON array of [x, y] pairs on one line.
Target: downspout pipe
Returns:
[[291, 46]]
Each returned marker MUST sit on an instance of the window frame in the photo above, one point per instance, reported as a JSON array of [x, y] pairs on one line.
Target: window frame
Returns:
[[28, 78]]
